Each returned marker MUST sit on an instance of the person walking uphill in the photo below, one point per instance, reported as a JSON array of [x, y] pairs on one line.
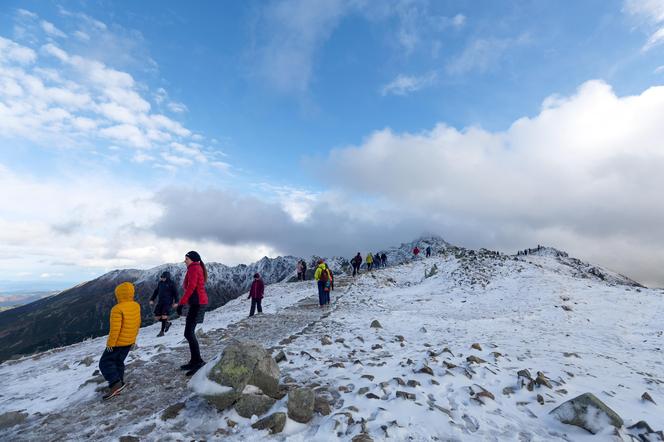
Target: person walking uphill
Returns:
[[166, 295], [196, 297], [356, 262], [256, 294], [369, 261], [324, 282], [125, 321], [428, 251]]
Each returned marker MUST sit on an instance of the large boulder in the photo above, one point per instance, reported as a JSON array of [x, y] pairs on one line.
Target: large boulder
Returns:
[[241, 364], [11, 418], [588, 412], [301, 404]]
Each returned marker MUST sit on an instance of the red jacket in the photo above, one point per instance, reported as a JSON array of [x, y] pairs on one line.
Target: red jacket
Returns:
[[416, 251], [257, 289], [194, 280]]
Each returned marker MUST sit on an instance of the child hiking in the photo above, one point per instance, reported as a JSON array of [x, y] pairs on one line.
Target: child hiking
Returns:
[[167, 296], [125, 320], [256, 294], [196, 297]]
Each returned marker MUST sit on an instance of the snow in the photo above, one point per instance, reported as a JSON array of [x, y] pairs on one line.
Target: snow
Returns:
[[200, 384], [606, 341]]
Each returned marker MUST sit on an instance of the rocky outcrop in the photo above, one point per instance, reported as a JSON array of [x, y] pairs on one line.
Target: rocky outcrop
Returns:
[[301, 404], [588, 412]]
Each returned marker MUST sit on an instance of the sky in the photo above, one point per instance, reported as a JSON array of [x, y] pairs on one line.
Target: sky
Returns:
[[133, 132]]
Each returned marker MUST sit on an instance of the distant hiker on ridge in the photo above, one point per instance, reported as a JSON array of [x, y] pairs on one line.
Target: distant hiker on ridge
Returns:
[[377, 262], [196, 297], [256, 294], [416, 252], [167, 295], [369, 260], [300, 270], [383, 259], [356, 262], [428, 251], [125, 321], [323, 281]]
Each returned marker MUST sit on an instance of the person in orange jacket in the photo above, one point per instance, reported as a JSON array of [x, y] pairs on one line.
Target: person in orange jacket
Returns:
[[125, 321]]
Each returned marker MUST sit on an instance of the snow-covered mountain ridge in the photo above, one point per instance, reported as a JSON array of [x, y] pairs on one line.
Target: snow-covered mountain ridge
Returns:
[[585, 333]]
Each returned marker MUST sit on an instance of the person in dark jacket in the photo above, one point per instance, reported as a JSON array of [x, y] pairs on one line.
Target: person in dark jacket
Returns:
[[196, 298], [428, 251], [256, 294], [377, 261], [356, 262], [383, 259], [166, 295]]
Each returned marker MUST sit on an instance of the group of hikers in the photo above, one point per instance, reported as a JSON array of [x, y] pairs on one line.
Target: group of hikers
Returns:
[[125, 317]]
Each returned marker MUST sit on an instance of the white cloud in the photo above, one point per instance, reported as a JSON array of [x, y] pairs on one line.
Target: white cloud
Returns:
[[659, 70], [82, 35], [655, 39], [11, 52], [459, 20], [582, 175], [26, 13], [406, 84], [51, 29], [483, 53], [652, 13]]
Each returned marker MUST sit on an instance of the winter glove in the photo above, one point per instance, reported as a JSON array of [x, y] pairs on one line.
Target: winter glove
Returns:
[[151, 302], [109, 349], [178, 310]]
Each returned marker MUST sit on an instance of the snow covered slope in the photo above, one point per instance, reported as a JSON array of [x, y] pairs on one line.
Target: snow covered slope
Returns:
[[541, 312]]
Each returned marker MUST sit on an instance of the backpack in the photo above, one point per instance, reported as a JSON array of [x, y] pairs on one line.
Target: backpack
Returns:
[[324, 275]]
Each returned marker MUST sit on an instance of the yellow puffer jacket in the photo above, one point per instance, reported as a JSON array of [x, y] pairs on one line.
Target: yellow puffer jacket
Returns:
[[125, 317]]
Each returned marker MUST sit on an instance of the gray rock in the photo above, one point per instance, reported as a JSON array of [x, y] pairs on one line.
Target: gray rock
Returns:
[[253, 404], [281, 356], [274, 422], [225, 400], [322, 406], [301, 404], [376, 324], [172, 411], [129, 439], [588, 412], [12, 418], [326, 340], [406, 395], [362, 437]]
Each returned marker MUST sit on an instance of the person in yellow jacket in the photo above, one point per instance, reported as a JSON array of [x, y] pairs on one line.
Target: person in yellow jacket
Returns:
[[323, 279], [125, 322], [369, 260]]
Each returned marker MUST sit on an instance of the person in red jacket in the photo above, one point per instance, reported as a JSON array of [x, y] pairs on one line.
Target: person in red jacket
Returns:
[[416, 251], [196, 297], [256, 294]]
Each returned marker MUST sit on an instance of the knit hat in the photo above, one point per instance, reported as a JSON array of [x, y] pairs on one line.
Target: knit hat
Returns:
[[257, 275], [166, 275], [194, 256]]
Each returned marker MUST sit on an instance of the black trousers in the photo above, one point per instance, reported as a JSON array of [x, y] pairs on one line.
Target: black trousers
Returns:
[[111, 364], [190, 333], [255, 303], [356, 269]]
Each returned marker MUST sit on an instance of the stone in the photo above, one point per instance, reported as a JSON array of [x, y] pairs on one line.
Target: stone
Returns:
[[413, 383], [326, 340], [12, 418], [426, 370], [399, 338], [371, 396], [406, 395], [399, 381], [376, 347], [129, 439], [274, 423], [87, 361], [375, 324], [524, 374], [253, 404], [646, 397], [281, 356], [338, 365], [508, 390], [449, 365], [474, 359], [322, 406], [423, 330], [231, 423], [541, 379], [363, 390], [368, 376], [476, 346], [172, 411], [301, 404], [362, 437], [540, 399], [588, 412]]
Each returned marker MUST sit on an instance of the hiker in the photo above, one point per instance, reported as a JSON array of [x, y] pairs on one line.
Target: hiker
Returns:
[[369, 261], [428, 251], [356, 262], [383, 259], [377, 262], [256, 294], [416, 251], [300, 270], [304, 270], [167, 296], [125, 321], [196, 297], [330, 288], [323, 281]]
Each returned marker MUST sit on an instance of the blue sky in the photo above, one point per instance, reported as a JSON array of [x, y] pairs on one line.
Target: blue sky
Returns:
[[135, 131]]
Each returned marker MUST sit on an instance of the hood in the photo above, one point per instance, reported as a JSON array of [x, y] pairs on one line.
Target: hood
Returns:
[[124, 292]]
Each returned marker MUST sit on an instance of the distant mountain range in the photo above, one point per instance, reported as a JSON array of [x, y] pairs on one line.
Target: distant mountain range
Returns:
[[81, 312]]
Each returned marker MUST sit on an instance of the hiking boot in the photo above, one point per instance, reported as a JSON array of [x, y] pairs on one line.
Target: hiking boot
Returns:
[[115, 390], [168, 325], [161, 333], [187, 366], [194, 369]]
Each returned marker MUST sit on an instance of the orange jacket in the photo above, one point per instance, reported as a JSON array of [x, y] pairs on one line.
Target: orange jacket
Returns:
[[125, 317]]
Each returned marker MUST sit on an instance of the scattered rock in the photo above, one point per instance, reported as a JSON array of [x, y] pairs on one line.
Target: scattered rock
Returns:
[[476, 346], [571, 355], [449, 365], [376, 347], [172, 411], [281, 356], [426, 370], [274, 422], [413, 383], [340, 340], [508, 390], [567, 308], [322, 406], [129, 439], [301, 405], [400, 338], [362, 437], [12, 418], [540, 399], [434, 382], [542, 380], [475, 359], [646, 397], [399, 381], [368, 376], [588, 412], [363, 390], [87, 361], [253, 404], [371, 396], [326, 340], [376, 324], [406, 395], [423, 330], [231, 423], [338, 365]]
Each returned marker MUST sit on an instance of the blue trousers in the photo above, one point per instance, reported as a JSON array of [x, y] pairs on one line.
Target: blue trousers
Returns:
[[111, 364], [321, 292]]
